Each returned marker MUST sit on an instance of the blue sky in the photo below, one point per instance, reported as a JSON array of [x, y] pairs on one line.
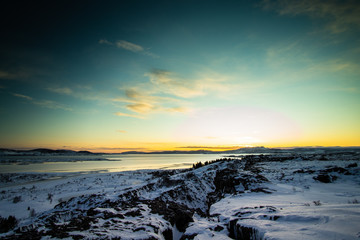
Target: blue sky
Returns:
[[151, 75]]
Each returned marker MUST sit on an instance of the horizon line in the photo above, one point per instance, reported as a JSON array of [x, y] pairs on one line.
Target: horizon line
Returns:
[[200, 148]]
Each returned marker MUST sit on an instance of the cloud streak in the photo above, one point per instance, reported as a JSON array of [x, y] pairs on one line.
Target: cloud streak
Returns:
[[11, 75], [43, 103], [81, 92], [169, 83], [167, 92], [210, 147], [23, 96], [129, 46], [341, 15], [143, 103], [121, 114], [64, 90], [138, 102]]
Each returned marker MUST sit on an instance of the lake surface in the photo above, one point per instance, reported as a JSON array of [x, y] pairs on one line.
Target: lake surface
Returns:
[[114, 163]]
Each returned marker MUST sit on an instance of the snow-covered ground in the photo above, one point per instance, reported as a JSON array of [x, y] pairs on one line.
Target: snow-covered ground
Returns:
[[257, 197]]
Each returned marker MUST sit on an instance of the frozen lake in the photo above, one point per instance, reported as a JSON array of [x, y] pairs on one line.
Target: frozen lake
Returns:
[[114, 163]]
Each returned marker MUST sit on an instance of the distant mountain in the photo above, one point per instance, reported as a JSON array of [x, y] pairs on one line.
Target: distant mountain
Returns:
[[240, 150], [254, 150], [43, 152], [259, 150], [324, 149], [171, 152]]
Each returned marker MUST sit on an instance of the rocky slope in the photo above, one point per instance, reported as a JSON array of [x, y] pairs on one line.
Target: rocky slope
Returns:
[[224, 199]]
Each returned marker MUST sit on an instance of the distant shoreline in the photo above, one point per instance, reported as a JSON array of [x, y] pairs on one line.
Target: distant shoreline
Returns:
[[246, 150]]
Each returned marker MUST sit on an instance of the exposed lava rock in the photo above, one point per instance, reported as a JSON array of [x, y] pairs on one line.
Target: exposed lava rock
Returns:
[[335, 169], [218, 228], [134, 213], [225, 181], [352, 165], [236, 231], [6, 224], [175, 213], [304, 171], [177, 198], [168, 234], [325, 178]]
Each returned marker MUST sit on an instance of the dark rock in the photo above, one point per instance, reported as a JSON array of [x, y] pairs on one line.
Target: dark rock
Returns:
[[80, 223], [233, 232], [188, 237], [218, 228], [7, 224], [261, 178], [236, 231], [139, 229], [274, 218], [261, 190], [58, 231], [92, 212], [79, 237], [168, 234], [304, 171], [175, 213], [335, 169], [325, 178], [225, 181], [33, 234], [352, 165], [134, 213]]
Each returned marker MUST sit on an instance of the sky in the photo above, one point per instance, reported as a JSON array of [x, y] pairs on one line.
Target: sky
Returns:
[[114, 76]]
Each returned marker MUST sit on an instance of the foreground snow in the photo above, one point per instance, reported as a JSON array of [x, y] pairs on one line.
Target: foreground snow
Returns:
[[265, 197]]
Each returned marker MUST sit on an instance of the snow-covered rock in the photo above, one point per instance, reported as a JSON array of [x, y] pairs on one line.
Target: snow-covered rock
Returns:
[[256, 197]]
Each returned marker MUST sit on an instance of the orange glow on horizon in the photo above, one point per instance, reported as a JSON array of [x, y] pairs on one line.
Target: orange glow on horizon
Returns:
[[169, 147]]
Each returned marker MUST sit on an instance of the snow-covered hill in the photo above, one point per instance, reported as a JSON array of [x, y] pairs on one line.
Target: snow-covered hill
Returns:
[[289, 196]]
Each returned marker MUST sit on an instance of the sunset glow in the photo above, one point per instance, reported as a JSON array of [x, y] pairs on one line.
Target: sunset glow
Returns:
[[154, 75]]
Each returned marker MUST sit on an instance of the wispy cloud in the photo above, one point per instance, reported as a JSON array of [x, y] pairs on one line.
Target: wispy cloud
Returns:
[[13, 75], [341, 15], [104, 41], [61, 90], [81, 92], [336, 65], [129, 46], [137, 101], [178, 109], [43, 103], [211, 147], [141, 107], [121, 131], [307, 65], [121, 114], [342, 89], [52, 105], [169, 83], [168, 92], [107, 149], [23, 96], [143, 102], [6, 75]]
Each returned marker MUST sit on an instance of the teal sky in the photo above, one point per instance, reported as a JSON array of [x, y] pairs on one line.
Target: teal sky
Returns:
[[152, 75]]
